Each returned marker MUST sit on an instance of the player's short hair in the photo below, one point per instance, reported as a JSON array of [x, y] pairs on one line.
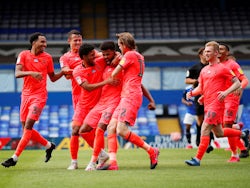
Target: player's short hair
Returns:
[[107, 45], [226, 46], [74, 32], [34, 36], [214, 44], [85, 49]]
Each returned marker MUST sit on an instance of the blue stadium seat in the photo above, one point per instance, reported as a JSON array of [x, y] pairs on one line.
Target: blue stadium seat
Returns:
[[31, 17], [55, 121]]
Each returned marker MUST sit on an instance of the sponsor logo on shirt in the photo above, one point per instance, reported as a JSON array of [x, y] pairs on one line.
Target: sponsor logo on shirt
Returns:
[[240, 71], [122, 61]]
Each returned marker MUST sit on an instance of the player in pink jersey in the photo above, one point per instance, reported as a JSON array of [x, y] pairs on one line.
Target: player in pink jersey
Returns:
[[124, 116], [33, 66], [232, 102], [216, 75], [98, 118], [88, 75], [70, 60]]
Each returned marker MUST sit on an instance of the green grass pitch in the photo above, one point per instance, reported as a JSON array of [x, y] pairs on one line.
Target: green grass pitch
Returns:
[[134, 171]]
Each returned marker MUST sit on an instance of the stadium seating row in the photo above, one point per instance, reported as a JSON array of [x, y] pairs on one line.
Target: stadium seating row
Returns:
[[173, 19], [55, 122], [178, 19], [20, 19]]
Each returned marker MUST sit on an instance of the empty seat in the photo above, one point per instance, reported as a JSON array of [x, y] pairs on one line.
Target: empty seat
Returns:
[[38, 17]]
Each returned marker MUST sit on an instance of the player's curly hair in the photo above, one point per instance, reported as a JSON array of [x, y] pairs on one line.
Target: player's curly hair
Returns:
[[85, 49], [107, 45]]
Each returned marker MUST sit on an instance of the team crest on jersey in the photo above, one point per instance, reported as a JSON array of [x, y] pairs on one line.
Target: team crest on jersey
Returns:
[[122, 61], [240, 71]]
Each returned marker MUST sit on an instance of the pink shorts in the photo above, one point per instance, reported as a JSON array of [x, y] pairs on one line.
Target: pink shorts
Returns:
[[31, 107], [100, 114], [75, 99], [79, 115], [213, 116], [231, 109], [127, 110]]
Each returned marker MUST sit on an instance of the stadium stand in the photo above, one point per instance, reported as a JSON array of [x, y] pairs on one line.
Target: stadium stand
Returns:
[[179, 19], [101, 19], [19, 19], [55, 122], [172, 19], [245, 116]]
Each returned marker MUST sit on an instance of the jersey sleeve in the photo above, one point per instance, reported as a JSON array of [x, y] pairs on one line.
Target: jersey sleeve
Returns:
[[64, 61], [21, 58], [50, 64]]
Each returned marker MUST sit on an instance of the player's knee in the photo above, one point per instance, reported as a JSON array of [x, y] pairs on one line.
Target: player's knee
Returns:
[[228, 124], [75, 130], [219, 134], [122, 130]]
